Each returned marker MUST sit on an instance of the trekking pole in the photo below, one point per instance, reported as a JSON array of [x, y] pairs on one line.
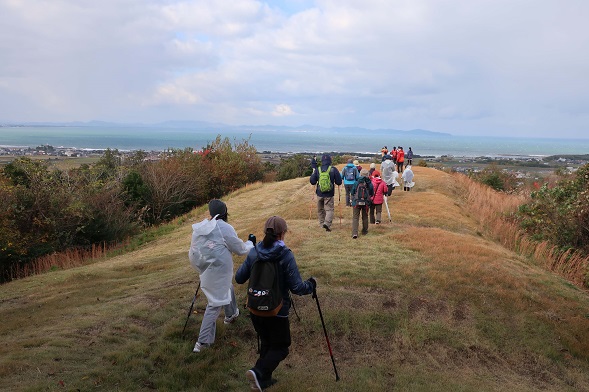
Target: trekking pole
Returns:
[[386, 203], [190, 310], [325, 331], [339, 202]]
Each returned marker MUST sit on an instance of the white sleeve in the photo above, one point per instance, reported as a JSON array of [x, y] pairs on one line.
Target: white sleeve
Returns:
[[234, 244]]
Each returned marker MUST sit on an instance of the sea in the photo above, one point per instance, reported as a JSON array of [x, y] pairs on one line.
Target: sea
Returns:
[[361, 142]]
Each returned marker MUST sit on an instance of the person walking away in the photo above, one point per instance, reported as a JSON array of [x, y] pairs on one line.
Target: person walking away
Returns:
[[384, 151], [357, 164], [400, 159], [273, 331], [408, 179], [372, 169], [380, 190], [409, 157], [362, 192], [394, 156], [389, 175], [325, 177], [349, 175], [211, 246]]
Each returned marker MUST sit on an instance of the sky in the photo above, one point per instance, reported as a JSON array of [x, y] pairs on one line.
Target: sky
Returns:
[[465, 67]]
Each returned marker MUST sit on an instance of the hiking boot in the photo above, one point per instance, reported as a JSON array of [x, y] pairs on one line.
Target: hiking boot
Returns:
[[198, 347], [326, 228], [229, 320], [378, 222], [355, 236], [252, 377]]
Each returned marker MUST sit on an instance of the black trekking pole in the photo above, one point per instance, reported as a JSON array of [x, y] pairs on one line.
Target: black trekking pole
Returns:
[[325, 331], [190, 310]]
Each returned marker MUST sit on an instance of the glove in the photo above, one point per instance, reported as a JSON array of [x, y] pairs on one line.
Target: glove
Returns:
[[313, 282], [252, 238]]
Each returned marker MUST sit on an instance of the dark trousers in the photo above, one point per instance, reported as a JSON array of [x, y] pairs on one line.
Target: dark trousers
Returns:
[[274, 333]]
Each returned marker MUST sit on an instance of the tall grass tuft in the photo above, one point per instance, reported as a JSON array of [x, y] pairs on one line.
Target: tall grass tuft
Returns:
[[493, 211]]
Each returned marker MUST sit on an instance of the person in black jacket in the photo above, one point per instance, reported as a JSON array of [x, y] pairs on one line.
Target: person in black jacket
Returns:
[[325, 198], [274, 331]]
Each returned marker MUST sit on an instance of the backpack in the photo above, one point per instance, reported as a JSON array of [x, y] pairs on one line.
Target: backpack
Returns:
[[324, 180], [264, 294], [349, 174], [362, 195], [206, 240]]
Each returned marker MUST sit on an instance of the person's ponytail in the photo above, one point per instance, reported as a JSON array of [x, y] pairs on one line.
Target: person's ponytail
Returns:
[[269, 238]]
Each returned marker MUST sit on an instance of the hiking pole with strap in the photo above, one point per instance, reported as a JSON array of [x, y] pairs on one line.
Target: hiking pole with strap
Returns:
[[339, 202], [325, 331], [386, 203], [191, 307]]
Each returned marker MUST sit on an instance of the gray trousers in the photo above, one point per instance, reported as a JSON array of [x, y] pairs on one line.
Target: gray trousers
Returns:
[[325, 208], [208, 327]]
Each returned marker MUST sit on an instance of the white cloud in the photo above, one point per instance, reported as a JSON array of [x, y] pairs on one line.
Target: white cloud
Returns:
[[448, 65]]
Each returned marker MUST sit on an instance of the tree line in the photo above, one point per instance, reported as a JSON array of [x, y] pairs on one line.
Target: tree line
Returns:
[[47, 210]]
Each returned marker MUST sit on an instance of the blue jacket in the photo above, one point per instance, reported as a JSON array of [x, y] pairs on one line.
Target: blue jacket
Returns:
[[356, 174], [334, 176], [291, 278]]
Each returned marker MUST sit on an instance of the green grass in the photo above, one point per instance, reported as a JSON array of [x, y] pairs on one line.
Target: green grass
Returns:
[[413, 306]]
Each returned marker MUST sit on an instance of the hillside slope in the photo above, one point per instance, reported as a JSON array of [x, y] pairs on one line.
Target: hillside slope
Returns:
[[425, 303]]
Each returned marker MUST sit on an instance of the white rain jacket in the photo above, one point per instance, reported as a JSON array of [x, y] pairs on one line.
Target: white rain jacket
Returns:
[[408, 178], [388, 173], [211, 246]]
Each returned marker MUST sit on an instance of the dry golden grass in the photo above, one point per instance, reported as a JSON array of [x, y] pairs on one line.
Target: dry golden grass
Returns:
[[430, 302]]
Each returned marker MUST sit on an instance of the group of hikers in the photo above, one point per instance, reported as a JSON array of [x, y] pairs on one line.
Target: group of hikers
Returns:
[[366, 190], [270, 268]]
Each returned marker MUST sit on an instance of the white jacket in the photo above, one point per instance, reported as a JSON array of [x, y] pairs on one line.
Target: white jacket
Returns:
[[211, 246], [408, 178]]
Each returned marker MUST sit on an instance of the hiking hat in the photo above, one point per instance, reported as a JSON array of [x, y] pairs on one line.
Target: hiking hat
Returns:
[[217, 207], [356, 162], [376, 173], [277, 224], [373, 165], [364, 173]]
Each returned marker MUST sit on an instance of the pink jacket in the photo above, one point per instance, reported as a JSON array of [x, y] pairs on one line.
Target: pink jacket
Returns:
[[380, 188]]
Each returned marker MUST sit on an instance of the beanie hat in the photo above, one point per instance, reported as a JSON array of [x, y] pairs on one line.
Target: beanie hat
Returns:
[[217, 207], [277, 224], [376, 173]]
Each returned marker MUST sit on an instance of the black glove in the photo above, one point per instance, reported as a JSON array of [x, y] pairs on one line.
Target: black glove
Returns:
[[313, 282], [252, 238]]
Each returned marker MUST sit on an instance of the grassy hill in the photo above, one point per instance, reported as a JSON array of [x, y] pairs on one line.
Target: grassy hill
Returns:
[[425, 303]]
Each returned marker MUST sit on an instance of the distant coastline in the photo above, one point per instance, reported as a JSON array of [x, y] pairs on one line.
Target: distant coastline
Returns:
[[304, 139]]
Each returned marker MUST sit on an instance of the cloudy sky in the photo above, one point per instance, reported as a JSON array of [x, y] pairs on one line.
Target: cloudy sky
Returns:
[[467, 67]]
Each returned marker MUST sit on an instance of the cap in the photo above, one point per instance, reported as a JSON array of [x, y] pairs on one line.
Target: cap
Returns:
[[217, 207], [376, 173], [277, 224]]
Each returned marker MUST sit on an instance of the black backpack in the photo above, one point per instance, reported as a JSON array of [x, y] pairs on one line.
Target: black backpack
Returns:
[[362, 195], [264, 294]]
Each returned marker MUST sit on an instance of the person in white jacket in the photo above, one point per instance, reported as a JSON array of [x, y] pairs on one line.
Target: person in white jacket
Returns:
[[407, 177], [213, 241]]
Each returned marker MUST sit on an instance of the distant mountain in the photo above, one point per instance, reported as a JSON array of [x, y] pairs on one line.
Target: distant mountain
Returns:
[[207, 126]]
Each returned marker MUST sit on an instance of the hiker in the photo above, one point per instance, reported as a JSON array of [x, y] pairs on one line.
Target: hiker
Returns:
[[380, 190], [362, 192], [389, 174], [408, 179], [211, 246], [394, 155], [357, 164], [384, 151], [409, 157], [273, 331], [325, 177], [400, 159], [349, 175], [372, 169]]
